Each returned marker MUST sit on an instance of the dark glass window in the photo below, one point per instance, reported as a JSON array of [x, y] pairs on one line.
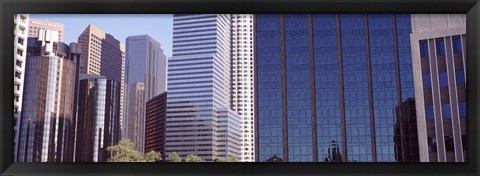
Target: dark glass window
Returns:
[[446, 111], [429, 115], [449, 145], [457, 45], [424, 48], [440, 47], [427, 83], [443, 79], [432, 144], [460, 77], [462, 108]]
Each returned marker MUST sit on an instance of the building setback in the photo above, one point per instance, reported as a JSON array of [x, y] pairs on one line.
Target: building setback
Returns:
[[45, 131], [156, 115], [146, 64], [98, 118], [20, 44], [199, 89], [242, 80], [102, 54], [438, 51], [36, 24], [331, 82]]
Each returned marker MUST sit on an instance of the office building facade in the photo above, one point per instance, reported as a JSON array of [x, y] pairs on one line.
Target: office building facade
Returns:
[[146, 64], [102, 54], [438, 51], [199, 88], [330, 82], [155, 124], [20, 50], [37, 24], [98, 118], [45, 130], [242, 80], [134, 126]]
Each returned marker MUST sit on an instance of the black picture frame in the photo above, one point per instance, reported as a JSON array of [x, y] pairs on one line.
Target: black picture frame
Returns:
[[10, 7]]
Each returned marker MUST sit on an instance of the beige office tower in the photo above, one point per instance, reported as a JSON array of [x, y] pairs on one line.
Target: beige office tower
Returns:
[[20, 50], [438, 53], [102, 54], [36, 24], [135, 116], [242, 80]]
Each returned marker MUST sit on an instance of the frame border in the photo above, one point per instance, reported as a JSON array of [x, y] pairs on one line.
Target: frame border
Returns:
[[10, 7]]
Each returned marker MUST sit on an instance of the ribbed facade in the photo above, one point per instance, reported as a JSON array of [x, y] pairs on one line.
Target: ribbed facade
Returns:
[[242, 80], [102, 54], [438, 51], [199, 86], [328, 87], [98, 118], [20, 50], [146, 64], [45, 131]]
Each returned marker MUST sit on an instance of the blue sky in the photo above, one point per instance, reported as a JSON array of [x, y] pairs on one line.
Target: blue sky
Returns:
[[159, 26]]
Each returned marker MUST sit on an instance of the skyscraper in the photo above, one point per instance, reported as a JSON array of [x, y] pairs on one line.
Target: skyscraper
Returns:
[[98, 118], [146, 65], [45, 131], [102, 54], [242, 80], [20, 44], [155, 124], [438, 51], [199, 118], [37, 24], [327, 81]]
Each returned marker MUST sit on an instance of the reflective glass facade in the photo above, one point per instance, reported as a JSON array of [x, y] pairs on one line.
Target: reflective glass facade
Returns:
[[98, 118], [347, 74]]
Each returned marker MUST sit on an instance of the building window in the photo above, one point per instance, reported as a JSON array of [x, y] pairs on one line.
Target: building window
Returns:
[[432, 144], [449, 145], [460, 77], [457, 45], [462, 108], [446, 112], [429, 115], [440, 47], [427, 83], [424, 49], [443, 79]]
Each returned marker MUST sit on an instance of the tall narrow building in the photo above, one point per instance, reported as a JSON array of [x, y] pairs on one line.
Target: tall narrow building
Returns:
[[155, 123], [242, 80], [328, 86], [102, 54], [97, 123], [438, 51], [199, 116], [146, 66], [45, 131], [36, 24], [20, 50]]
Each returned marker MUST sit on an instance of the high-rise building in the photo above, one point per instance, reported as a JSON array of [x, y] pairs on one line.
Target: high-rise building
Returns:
[[242, 80], [146, 64], [406, 133], [98, 118], [45, 131], [102, 54], [330, 82], [133, 126], [37, 24], [155, 124], [438, 51], [20, 50], [198, 102]]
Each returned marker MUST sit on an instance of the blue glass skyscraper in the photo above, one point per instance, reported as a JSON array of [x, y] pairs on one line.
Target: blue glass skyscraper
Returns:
[[330, 87]]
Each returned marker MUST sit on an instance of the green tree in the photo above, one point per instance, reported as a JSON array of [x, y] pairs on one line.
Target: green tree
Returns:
[[193, 158], [124, 152], [229, 159], [174, 157]]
